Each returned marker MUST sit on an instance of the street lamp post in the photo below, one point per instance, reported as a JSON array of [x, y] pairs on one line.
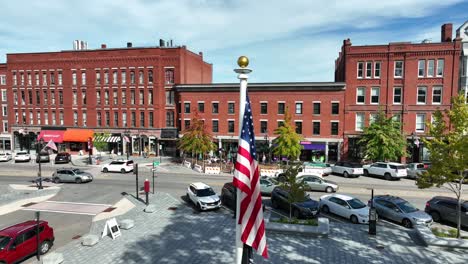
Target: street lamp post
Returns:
[[127, 134], [267, 139], [38, 159]]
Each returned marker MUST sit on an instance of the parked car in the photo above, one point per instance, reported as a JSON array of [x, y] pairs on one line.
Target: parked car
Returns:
[[228, 195], [5, 156], [324, 168], [400, 210], [443, 208], [282, 176], [347, 169], [316, 183], [122, 166], [22, 156], [307, 208], [345, 206], [267, 185], [43, 157], [71, 175], [63, 157], [203, 196], [387, 170], [415, 169], [18, 242]]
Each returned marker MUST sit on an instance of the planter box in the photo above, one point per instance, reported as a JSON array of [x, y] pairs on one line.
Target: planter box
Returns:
[[425, 233], [321, 230]]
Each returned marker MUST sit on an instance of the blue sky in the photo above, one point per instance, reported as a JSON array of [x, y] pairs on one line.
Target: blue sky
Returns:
[[296, 40]]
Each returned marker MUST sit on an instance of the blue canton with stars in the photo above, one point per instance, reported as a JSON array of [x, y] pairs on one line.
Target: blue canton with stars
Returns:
[[247, 133]]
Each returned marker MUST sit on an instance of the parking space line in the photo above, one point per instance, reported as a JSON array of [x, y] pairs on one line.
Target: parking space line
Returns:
[[329, 216]]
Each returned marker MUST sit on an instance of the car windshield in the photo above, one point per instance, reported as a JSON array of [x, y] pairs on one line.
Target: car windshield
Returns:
[[78, 171], [4, 240], [205, 192], [21, 153], [356, 204], [407, 207]]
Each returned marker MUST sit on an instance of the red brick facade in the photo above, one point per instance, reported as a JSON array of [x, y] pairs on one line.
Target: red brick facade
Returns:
[[5, 137]]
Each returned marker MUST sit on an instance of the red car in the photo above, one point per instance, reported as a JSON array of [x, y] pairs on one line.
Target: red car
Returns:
[[18, 242]]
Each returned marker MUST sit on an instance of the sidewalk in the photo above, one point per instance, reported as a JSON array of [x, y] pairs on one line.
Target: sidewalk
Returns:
[[13, 196], [176, 233]]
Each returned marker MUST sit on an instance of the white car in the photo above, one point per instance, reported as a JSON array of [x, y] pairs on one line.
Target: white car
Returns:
[[203, 196], [347, 169], [22, 156], [5, 157], [122, 166], [345, 206], [387, 170]]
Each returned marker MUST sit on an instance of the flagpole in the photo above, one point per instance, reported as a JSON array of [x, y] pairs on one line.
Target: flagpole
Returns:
[[243, 75]]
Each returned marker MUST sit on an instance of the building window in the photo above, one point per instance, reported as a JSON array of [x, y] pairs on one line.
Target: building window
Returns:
[[263, 126], [187, 123], [132, 77], [335, 108], [316, 128], [280, 123], [398, 69], [2, 80], [201, 107], [4, 110], [107, 118], [75, 97], [359, 121], [231, 126], [150, 76], [397, 95], [420, 122], [54, 120], [45, 97], [4, 95], [334, 128], [23, 98], [231, 108], [60, 81], [37, 78], [281, 108], [84, 118], [75, 118], [397, 118], [106, 97], [15, 82], [60, 97], [116, 119], [98, 77], [38, 97], [124, 119], [15, 97], [44, 78], [73, 78], [360, 95], [150, 97], [22, 78], [215, 126], [422, 91], [360, 69], [369, 69], [133, 119], [437, 95], [98, 97], [61, 118], [140, 77], [299, 108], [114, 77], [215, 108], [170, 97], [115, 97], [187, 108], [375, 92], [52, 78], [298, 127], [5, 126], [99, 119], [30, 97], [123, 75], [372, 118], [316, 108], [141, 97], [377, 70], [106, 77], [151, 119], [430, 68], [83, 78], [124, 97], [132, 97], [31, 118], [169, 76], [440, 67], [263, 108], [29, 79], [421, 68], [38, 118], [83, 97]]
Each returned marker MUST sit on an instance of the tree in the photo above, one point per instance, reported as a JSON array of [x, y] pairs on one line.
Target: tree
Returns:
[[295, 189], [101, 145], [196, 139], [448, 149], [288, 141], [383, 140]]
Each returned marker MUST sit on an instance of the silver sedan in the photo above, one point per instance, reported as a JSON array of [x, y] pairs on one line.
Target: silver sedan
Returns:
[[316, 183]]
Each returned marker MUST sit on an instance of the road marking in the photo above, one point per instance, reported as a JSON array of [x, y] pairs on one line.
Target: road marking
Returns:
[[108, 205], [68, 208], [329, 216]]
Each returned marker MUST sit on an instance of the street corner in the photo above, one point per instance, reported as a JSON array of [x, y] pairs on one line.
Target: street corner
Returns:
[[118, 209]]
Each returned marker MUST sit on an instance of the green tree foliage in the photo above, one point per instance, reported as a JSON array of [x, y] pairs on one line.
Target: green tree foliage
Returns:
[[295, 189], [383, 140], [287, 143], [448, 148], [196, 139], [101, 145]]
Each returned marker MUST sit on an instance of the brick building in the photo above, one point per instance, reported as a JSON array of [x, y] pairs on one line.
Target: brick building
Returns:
[[409, 81], [5, 137], [316, 109], [71, 95]]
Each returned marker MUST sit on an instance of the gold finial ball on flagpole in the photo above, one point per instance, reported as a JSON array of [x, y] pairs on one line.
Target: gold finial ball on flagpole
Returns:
[[243, 61]]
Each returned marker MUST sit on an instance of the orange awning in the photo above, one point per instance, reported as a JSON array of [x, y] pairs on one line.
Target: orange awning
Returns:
[[77, 135]]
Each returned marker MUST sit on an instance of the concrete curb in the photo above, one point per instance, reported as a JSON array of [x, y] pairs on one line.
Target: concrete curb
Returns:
[[322, 230], [122, 207], [425, 233]]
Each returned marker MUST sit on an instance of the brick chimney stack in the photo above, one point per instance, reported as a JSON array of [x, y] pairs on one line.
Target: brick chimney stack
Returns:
[[446, 33]]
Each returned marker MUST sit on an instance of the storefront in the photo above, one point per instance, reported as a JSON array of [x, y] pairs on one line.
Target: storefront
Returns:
[[5, 143], [328, 151], [56, 136], [76, 140]]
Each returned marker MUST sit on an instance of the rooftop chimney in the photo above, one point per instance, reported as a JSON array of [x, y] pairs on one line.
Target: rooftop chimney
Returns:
[[161, 42], [129, 44], [103, 46], [446, 33]]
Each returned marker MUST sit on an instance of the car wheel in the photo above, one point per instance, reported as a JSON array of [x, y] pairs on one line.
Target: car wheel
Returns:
[[435, 216], [199, 207], [57, 180], [366, 173], [407, 223], [325, 209], [387, 176], [122, 171], [329, 189], [78, 180], [45, 246], [296, 213], [105, 170], [274, 204], [345, 174], [354, 219]]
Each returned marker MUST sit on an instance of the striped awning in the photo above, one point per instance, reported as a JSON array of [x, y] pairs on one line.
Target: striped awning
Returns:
[[109, 139]]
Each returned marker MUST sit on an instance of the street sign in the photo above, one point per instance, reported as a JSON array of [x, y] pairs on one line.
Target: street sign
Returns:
[[155, 163]]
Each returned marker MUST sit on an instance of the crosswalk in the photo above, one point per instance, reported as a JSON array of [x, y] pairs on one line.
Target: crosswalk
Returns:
[[68, 207]]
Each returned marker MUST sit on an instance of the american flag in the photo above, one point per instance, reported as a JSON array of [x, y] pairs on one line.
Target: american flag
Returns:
[[247, 180]]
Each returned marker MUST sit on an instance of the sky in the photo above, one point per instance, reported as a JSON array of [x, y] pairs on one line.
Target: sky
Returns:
[[286, 41]]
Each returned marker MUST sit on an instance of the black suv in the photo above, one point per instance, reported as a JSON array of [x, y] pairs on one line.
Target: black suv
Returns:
[[63, 157], [443, 208], [228, 195], [308, 208]]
